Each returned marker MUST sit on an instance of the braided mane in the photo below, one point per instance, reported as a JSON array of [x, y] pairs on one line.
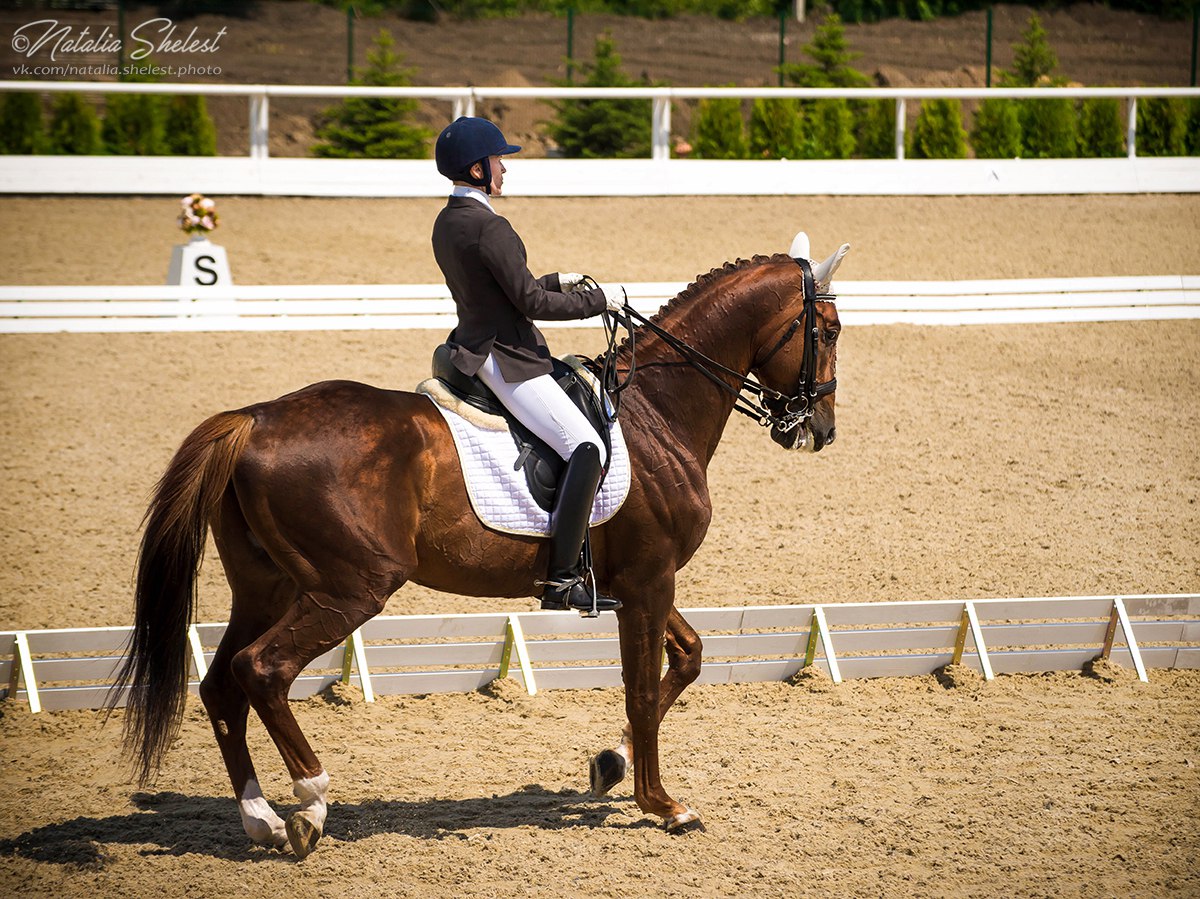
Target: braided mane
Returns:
[[701, 285]]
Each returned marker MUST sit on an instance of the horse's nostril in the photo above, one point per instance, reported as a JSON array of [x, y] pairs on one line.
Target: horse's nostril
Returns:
[[831, 435]]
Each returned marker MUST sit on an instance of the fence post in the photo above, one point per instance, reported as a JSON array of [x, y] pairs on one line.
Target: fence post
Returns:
[[193, 636], [259, 111], [1195, 35], [988, 63], [660, 129], [1120, 616], [901, 112], [782, 42], [570, 45], [818, 629], [514, 639], [356, 651], [1131, 129], [22, 668], [970, 622], [350, 43]]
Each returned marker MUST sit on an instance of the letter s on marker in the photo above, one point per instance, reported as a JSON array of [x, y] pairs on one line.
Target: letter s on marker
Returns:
[[208, 271]]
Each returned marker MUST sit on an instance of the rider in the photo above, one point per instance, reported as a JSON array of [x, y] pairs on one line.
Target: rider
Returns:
[[484, 264]]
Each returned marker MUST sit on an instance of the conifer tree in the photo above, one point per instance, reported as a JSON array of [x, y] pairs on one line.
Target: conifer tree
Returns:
[[589, 129], [375, 127], [828, 125], [189, 129], [1101, 127], [996, 131], [1049, 128], [21, 129], [718, 132], [938, 133], [1033, 59], [74, 126], [775, 129], [135, 124]]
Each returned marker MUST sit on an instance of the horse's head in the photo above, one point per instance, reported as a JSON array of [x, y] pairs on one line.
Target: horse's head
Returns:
[[797, 358]]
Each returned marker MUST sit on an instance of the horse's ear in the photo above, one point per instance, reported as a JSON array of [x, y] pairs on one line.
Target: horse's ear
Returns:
[[823, 273], [799, 248]]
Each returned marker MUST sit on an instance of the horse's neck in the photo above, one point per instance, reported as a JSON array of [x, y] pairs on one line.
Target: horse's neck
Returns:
[[693, 410]]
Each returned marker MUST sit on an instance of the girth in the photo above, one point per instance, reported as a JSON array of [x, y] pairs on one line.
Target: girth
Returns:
[[542, 465]]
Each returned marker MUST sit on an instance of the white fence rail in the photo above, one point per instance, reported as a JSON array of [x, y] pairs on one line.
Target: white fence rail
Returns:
[[418, 654], [49, 309], [258, 174]]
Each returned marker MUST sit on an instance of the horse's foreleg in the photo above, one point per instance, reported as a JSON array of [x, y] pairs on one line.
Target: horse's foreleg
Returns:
[[266, 669], [641, 633], [683, 650]]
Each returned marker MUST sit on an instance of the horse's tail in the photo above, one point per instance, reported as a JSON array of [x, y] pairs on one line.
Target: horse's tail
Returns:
[[176, 526]]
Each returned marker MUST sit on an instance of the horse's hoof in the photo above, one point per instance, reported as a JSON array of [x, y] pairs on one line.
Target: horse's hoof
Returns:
[[685, 822], [607, 770], [302, 834]]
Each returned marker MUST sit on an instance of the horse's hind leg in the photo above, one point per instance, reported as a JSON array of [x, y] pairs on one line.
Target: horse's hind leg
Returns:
[[683, 649], [266, 668], [260, 594]]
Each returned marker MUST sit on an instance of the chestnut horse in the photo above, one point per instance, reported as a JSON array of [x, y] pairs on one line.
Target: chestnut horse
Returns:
[[324, 502]]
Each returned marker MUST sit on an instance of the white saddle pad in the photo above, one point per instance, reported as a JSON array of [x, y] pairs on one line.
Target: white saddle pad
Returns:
[[499, 494]]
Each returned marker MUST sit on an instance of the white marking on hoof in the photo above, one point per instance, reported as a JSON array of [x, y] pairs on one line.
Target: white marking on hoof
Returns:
[[685, 822], [304, 827], [259, 820]]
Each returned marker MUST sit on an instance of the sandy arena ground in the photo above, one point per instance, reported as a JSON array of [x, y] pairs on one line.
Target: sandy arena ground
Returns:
[[970, 462]]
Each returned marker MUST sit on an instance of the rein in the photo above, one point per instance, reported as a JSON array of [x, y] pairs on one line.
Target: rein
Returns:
[[750, 397]]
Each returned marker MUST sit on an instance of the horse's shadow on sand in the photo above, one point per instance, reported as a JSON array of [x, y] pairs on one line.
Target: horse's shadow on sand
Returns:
[[175, 824]]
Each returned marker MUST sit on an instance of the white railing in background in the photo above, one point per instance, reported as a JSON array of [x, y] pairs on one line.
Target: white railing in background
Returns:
[[48, 309], [417, 654], [464, 99]]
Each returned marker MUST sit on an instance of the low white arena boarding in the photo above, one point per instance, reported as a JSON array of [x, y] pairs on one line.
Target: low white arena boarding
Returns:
[[147, 308], [421, 654]]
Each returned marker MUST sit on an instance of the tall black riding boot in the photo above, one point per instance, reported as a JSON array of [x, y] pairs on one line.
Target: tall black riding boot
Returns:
[[565, 583]]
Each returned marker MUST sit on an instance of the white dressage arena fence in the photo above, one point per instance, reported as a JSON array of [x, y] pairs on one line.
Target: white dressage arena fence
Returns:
[[422, 654], [50, 309], [258, 173]]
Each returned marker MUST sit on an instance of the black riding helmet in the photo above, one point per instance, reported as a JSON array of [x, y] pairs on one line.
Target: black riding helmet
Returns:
[[466, 141]]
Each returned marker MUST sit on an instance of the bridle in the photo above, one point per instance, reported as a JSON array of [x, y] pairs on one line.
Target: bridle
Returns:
[[767, 406]]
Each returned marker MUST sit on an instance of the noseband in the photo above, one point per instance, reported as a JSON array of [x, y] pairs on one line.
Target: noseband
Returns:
[[795, 410], [767, 406]]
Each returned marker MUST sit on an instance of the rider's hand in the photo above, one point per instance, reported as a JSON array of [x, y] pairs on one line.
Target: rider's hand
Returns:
[[614, 296], [569, 282]]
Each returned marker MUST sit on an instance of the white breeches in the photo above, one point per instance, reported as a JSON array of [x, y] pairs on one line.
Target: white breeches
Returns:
[[543, 407]]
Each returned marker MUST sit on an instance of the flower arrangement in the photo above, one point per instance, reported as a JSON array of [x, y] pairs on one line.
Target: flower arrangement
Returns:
[[198, 215]]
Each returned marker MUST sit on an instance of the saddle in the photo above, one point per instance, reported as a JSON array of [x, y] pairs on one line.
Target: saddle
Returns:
[[542, 466]]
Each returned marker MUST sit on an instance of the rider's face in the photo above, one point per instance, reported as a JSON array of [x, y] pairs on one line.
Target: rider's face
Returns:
[[498, 171]]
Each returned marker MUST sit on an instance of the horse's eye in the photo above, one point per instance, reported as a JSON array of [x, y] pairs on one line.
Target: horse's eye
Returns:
[[831, 335]]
